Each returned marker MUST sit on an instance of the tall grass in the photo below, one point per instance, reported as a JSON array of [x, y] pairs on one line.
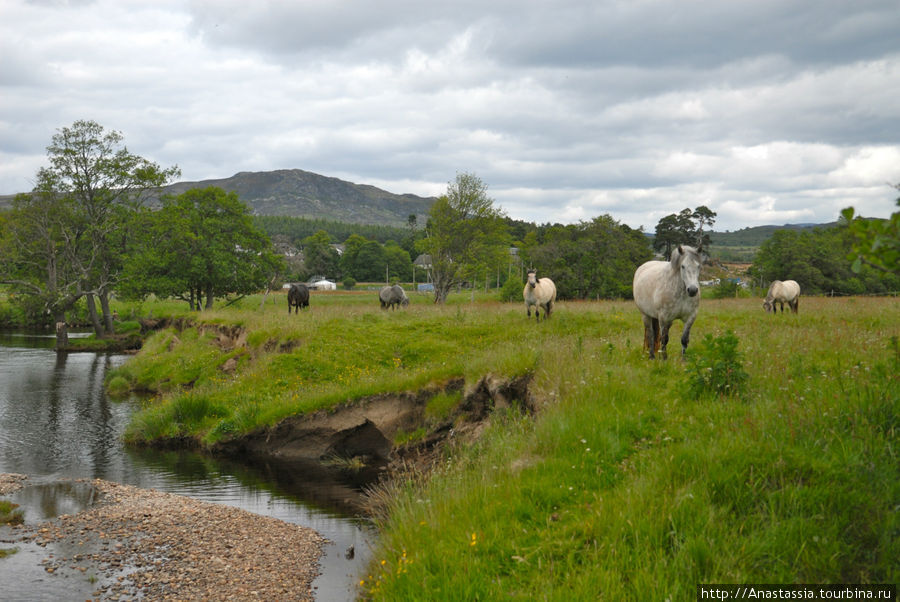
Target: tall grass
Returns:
[[628, 487], [627, 484]]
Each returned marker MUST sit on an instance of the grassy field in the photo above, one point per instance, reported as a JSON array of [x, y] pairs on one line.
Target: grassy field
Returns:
[[626, 485]]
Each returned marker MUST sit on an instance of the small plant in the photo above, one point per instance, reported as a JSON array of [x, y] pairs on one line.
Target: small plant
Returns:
[[405, 438], [716, 367], [9, 515], [349, 283]]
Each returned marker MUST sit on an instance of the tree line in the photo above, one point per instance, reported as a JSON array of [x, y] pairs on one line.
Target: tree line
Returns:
[[84, 233]]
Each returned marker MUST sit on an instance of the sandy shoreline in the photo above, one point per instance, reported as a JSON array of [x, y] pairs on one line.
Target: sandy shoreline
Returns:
[[159, 546]]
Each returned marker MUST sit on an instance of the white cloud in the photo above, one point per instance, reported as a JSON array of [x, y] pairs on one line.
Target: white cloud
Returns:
[[765, 112]]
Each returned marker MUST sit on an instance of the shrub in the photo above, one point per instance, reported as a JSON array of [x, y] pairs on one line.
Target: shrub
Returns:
[[727, 289], [349, 283], [715, 367], [511, 290]]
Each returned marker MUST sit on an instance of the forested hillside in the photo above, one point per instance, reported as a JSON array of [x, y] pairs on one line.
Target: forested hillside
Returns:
[[742, 245]]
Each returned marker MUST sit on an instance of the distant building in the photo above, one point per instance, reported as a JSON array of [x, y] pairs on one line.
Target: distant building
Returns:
[[323, 285]]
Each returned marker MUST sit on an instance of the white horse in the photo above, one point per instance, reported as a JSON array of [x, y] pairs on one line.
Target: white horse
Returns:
[[666, 291], [539, 293], [782, 292]]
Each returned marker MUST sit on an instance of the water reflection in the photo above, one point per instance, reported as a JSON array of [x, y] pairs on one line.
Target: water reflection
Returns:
[[45, 501], [56, 422]]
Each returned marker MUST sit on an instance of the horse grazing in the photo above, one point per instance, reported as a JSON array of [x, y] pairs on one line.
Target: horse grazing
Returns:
[[539, 293], [781, 292], [298, 296], [393, 296], [666, 291]]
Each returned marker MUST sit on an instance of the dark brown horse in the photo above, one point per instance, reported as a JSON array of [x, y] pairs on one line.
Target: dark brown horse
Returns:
[[298, 296]]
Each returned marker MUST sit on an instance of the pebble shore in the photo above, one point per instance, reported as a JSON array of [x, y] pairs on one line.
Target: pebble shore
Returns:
[[150, 545]]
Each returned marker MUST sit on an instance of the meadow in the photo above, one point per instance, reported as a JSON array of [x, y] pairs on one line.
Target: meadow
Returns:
[[628, 483]]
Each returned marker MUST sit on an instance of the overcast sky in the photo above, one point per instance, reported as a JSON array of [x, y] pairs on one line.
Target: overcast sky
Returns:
[[766, 111]]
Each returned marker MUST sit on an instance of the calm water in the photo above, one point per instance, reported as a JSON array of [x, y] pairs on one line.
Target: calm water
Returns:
[[56, 422]]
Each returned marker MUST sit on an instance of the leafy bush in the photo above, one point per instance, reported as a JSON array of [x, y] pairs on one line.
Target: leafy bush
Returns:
[[725, 289], [716, 367], [511, 290], [349, 283]]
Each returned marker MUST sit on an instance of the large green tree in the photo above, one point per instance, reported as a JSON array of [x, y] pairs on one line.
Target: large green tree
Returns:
[[465, 234], [79, 207], [200, 245]]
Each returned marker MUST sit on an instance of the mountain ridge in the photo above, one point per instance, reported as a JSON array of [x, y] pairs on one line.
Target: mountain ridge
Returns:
[[300, 193]]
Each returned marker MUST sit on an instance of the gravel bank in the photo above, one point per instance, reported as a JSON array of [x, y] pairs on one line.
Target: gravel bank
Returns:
[[158, 546]]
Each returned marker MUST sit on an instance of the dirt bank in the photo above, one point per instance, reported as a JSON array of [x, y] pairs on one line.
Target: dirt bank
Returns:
[[367, 430], [147, 544]]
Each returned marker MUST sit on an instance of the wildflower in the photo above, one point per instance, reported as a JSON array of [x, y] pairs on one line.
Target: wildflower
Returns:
[[473, 542]]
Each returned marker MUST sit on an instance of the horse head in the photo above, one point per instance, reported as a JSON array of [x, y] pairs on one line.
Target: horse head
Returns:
[[532, 278], [687, 261]]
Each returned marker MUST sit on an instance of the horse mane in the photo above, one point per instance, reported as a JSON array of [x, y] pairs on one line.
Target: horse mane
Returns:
[[682, 251]]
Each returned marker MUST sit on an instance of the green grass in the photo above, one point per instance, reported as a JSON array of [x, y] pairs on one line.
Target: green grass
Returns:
[[9, 515], [343, 348], [625, 485]]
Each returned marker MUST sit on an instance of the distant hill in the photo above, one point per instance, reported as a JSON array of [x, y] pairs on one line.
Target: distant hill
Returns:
[[741, 245], [299, 193], [757, 235]]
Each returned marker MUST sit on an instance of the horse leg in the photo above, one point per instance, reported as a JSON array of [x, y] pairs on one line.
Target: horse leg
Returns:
[[795, 306], [664, 340], [650, 334], [686, 334]]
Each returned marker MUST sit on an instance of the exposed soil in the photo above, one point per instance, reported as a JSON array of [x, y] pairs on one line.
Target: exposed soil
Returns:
[[365, 430]]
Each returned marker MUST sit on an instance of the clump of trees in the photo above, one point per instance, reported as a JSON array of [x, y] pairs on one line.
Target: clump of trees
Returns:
[[465, 235], [200, 245], [820, 261], [83, 232], [588, 260], [363, 260], [684, 228], [65, 240]]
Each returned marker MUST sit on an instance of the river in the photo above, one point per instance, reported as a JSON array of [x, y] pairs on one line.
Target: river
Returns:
[[57, 423]]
